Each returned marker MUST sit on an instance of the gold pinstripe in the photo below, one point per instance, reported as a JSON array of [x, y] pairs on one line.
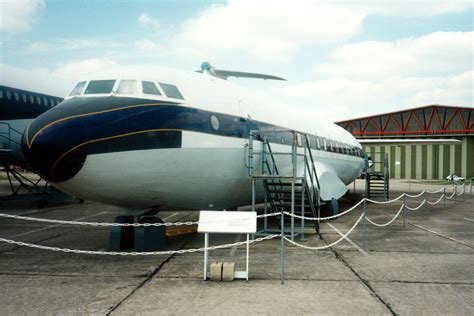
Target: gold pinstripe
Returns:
[[30, 143], [106, 138]]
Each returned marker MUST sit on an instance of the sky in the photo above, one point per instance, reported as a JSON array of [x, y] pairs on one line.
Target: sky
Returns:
[[341, 59]]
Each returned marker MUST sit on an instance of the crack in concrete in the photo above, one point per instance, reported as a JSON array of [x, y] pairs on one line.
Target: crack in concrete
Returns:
[[149, 275], [441, 235], [146, 280], [364, 282]]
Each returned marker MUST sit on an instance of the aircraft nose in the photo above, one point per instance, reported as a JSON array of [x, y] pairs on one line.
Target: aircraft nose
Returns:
[[48, 145]]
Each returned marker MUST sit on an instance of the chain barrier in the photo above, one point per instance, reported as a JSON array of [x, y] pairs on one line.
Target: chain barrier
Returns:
[[151, 253], [387, 202], [416, 195], [102, 224], [452, 196], [416, 208], [439, 200], [434, 192], [387, 223], [324, 218], [329, 245]]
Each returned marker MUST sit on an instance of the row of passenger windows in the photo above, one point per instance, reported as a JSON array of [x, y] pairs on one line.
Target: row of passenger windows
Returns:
[[126, 87], [26, 97], [315, 142], [325, 144]]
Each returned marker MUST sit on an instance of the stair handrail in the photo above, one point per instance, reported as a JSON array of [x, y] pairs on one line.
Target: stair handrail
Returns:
[[8, 134]]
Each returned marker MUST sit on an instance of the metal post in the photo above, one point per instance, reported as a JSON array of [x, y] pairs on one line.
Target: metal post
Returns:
[[265, 211], [455, 189], [404, 210], [248, 252], [282, 248], [426, 203], [302, 208], [364, 232], [303, 189], [444, 197], [264, 157], [206, 254], [293, 158], [253, 194], [292, 210]]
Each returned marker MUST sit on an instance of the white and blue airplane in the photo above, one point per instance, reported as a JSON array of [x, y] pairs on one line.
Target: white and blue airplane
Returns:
[[177, 140]]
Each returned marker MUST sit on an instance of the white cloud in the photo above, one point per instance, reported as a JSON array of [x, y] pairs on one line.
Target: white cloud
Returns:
[[411, 7], [343, 98], [434, 54], [148, 21], [60, 44], [18, 16], [276, 30], [269, 30]]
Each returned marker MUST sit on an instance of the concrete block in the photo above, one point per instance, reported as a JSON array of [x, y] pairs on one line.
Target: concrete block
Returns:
[[228, 271], [216, 271]]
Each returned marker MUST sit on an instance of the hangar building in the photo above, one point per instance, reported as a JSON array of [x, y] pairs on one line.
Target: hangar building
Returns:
[[420, 161]]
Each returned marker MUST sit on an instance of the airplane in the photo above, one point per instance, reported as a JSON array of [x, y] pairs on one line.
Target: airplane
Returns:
[[177, 141], [19, 108]]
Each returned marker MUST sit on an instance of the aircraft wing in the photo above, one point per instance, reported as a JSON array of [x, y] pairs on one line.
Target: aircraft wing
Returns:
[[240, 74], [408, 141]]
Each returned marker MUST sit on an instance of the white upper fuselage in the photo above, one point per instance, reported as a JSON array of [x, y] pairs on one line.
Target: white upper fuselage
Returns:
[[206, 170]]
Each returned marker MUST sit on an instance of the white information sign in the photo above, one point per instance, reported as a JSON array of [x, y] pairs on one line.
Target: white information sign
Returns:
[[227, 222]]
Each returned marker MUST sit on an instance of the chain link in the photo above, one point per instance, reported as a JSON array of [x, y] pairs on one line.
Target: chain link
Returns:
[[331, 244], [387, 223], [151, 253]]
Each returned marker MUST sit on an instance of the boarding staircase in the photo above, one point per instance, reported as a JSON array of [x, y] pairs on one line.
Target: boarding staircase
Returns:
[[10, 147], [294, 193], [12, 159], [377, 182]]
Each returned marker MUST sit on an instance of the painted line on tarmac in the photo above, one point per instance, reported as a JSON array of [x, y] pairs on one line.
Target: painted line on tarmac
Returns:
[[349, 240], [174, 214], [468, 219], [48, 227], [441, 235]]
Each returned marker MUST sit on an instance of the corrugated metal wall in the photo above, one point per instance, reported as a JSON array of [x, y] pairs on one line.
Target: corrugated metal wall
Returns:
[[426, 161]]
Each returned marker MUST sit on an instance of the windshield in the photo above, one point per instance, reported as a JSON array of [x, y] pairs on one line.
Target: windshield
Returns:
[[100, 86], [78, 88]]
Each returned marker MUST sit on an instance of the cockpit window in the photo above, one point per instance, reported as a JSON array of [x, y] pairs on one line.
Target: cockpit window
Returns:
[[78, 89], [100, 86], [127, 87], [150, 88], [171, 91]]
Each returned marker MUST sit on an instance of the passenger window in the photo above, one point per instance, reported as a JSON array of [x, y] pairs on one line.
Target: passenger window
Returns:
[[150, 88], [127, 87], [17, 96], [100, 86], [9, 95], [45, 101], [1, 94], [38, 100], [32, 100], [171, 91], [78, 89], [23, 97]]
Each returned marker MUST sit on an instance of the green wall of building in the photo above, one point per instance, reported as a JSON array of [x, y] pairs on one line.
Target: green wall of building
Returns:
[[426, 161]]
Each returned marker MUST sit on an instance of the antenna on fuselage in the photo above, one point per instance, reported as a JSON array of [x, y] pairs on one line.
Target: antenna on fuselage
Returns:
[[207, 68]]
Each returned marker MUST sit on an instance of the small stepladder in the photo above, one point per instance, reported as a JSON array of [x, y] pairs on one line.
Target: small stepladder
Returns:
[[227, 223]]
